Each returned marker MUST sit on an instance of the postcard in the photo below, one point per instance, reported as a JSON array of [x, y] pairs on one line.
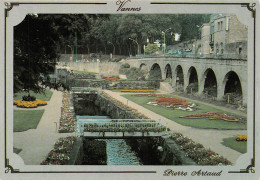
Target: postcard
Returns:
[[129, 89]]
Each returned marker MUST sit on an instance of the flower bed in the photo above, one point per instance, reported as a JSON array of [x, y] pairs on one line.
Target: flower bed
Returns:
[[111, 79], [213, 116], [197, 152], [241, 138], [29, 104], [67, 119], [175, 103], [61, 152]]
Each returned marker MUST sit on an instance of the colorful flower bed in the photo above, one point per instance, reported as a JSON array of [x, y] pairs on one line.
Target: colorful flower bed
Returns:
[[111, 79], [197, 152], [29, 104], [60, 155], [241, 138], [149, 95], [67, 120], [175, 103], [213, 116]]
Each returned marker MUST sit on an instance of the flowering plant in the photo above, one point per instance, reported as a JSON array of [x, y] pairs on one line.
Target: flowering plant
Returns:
[[197, 152], [67, 119], [212, 115], [29, 104], [241, 138], [60, 155]]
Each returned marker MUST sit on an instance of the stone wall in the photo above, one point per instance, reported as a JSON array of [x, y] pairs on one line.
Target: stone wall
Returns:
[[159, 151], [104, 68]]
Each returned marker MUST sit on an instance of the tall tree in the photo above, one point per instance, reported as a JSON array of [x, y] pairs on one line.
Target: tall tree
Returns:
[[34, 53]]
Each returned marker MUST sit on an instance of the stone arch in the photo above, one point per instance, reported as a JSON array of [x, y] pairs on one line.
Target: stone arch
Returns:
[[179, 78], [143, 67], [193, 82], [232, 88], [155, 72], [209, 82], [168, 72]]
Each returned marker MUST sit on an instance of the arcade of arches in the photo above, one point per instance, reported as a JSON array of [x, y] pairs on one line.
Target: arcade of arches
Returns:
[[206, 83]]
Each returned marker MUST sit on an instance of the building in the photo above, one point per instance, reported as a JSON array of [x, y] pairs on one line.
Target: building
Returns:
[[227, 35]]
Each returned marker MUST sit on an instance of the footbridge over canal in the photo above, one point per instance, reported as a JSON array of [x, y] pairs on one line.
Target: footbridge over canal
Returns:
[[102, 127], [224, 72]]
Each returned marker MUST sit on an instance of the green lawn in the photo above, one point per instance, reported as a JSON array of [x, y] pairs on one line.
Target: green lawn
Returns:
[[198, 123], [43, 97], [240, 146], [26, 119]]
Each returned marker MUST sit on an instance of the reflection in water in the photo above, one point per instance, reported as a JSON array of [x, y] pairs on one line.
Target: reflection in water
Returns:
[[119, 153]]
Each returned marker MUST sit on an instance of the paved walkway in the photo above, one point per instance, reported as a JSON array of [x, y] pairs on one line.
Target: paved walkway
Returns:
[[210, 138], [37, 143]]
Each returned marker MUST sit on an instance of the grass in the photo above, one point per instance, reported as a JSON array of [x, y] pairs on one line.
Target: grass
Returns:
[[197, 123], [26, 119], [43, 97], [240, 146]]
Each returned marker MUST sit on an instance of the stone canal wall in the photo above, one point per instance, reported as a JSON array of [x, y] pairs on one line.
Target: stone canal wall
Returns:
[[152, 151]]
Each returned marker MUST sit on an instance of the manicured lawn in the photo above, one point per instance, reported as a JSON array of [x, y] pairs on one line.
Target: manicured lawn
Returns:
[[43, 97], [198, 123], [240, 146], [26, 119]]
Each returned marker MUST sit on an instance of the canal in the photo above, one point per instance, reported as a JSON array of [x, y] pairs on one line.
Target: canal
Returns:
[[118, 152]]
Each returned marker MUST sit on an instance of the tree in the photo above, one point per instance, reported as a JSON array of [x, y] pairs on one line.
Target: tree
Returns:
[[38, 40], [34, 53], [151, 48]]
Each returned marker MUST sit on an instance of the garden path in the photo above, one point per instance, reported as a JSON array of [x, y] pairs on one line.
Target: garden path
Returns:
[[37, 143], [210, 138]]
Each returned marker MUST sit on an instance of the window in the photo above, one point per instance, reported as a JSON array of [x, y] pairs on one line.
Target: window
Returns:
[[240, 50], [221, 48], [221, 25], [217, 48]]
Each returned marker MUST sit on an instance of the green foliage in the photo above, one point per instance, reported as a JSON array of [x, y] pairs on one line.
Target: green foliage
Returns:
[[46, 96], [34, 52], [126, 65], [133, 73], [151, 48], [240, 146], [115, 60], [26, 119]]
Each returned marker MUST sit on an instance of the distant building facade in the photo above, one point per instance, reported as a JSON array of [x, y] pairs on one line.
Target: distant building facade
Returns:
[[227, 35], [223, 35]]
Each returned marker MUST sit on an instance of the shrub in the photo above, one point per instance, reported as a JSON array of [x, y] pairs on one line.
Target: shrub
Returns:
[[126, 65], [29, 98]]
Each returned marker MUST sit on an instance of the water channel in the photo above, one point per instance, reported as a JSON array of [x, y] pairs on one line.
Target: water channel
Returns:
[[117, 150]]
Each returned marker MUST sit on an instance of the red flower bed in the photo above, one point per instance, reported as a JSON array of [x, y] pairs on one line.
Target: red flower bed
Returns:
[[172, 101], [111, 79], [212, 115]]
